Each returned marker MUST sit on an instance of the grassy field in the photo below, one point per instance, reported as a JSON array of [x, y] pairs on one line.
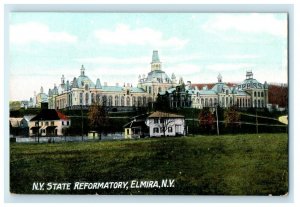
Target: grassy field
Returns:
[[202, 165]]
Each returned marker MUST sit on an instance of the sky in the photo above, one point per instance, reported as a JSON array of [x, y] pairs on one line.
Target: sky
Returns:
[[117, 47]]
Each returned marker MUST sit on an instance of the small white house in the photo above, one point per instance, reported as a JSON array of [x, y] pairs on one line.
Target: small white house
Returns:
[[165, 124], [49, 122]]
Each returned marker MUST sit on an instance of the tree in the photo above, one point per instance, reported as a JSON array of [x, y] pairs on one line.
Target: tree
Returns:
[[232, 118], [166, 122], [97, 117], [206, 120]]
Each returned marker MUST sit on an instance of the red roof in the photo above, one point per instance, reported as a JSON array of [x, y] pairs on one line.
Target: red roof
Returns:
[[210, 85], [61, 115]]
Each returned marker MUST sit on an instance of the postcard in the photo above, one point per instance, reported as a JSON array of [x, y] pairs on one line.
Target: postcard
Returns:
[[104, 103]]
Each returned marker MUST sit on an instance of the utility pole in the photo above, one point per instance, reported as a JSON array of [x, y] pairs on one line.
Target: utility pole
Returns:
[[256, 121], [217, 120], [38, 131], [194, 121]]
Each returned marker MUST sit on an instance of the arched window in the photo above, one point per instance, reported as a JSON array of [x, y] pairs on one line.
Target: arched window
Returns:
[[122, 101], [134, 101], [210, 102], [206, 102], [227, 102], [116, 100], [93, 98], [255, 103], [80, 99], [150, 91], [104, 100], [258, 94], [139, 101], [254, 93], [258, 104], [110, 100], [127, 101], [144, 101], [86, 99], [159, 89], [98, 98], [262, 94]]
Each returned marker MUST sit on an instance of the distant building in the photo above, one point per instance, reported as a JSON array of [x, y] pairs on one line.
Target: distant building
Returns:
[[15, 126], [82, 91], [136, 128], [40, 98], [166, 124], [250, 93], [49, 122]]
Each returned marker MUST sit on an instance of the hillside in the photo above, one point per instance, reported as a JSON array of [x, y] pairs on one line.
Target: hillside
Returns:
[[199, 165]]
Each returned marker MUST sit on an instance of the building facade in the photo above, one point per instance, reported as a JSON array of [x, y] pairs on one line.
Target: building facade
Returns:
[[49, 122], [82, 91], [165, 124], [250, 93]]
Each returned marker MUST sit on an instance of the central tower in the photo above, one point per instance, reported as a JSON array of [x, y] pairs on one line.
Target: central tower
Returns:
[[155, 64]]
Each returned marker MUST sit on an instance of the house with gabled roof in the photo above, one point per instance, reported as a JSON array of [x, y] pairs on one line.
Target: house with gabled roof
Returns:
[[166, 124], [137, 127], [49, 122]]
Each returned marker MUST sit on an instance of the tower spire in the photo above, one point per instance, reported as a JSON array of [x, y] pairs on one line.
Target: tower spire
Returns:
[[82, 70], [249, 74], [155, 64], [219, 78]]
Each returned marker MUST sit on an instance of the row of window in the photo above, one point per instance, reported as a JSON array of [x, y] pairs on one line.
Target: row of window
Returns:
[[258, 94], [46, 123], [157, 130], [118, 101]]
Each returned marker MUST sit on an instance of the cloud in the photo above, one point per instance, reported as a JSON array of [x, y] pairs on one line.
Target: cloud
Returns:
[[124, 35], [37, 32], [247, 23]]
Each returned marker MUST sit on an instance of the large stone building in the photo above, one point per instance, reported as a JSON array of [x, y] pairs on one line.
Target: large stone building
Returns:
[[250, 93], [82, 91]]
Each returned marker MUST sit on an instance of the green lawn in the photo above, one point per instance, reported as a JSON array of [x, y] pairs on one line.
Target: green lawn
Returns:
[[202, 165]]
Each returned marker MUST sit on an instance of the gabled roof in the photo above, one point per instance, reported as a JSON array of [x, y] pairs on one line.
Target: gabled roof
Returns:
[[28, 117], [49, 114], [159, 114], [136, 124]]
